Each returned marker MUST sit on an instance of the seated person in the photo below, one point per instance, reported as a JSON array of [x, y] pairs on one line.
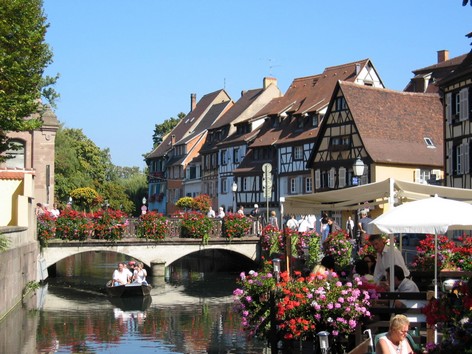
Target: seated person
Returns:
[[121, 275], [361, 269], [140, 274], [404, 285], [395, 341]]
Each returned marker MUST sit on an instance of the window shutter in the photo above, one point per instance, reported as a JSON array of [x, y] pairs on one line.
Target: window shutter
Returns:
[[448, 108], [460, 159], [450, 161], [417, 175], [464, 104], [342, 177], [317, 179], [300, 189], [466, 157], [331, 177]]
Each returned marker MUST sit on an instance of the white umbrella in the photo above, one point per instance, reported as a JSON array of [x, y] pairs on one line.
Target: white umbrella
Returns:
[[427, 216]]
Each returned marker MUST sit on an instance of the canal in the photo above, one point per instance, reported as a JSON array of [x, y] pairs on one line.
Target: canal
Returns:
[[191, 312]]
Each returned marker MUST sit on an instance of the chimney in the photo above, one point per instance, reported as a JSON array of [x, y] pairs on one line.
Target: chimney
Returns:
[[268, 81], [358, 68], [243, 92], [172, 139], [443, 55], [193, 101]]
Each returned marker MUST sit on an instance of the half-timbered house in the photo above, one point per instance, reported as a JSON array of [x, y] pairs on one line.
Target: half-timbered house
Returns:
[[457, 91], [168, 161], [395, 134], [291, 125], [221, 155]]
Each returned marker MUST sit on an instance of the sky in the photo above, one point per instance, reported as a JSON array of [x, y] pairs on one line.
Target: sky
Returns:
[[127, 65]]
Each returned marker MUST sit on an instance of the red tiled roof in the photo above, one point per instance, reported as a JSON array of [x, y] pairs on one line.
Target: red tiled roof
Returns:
[[393, 124], [14, 174]]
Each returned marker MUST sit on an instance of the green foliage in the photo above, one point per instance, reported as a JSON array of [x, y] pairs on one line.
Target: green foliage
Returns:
[[86, 198], [3, 243], [196, 225], [236, 225], [164, 128], [24, 57], [185, 203], [152, 226]]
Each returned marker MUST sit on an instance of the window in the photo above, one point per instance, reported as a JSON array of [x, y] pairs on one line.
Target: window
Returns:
[[224, 157], [16, 152], [298, 152], [429, 143], [461, 159], [422, 176], [300, 122], [309, 184], [293, 186], [340, 142], [236, 155], [245, 183], [224, 185], [193, 172], [315, 120], [340, 104]]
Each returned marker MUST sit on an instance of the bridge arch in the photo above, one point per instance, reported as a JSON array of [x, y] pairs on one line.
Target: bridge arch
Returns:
[[164, 253]]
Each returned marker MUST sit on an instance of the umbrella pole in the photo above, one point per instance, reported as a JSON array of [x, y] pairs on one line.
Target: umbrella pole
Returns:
[[392, 265]]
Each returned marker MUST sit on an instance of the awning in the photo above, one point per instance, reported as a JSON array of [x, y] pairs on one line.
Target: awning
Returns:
[[370, 195]]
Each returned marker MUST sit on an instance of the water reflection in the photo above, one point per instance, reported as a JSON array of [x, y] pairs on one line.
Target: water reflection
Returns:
[[191, 313]]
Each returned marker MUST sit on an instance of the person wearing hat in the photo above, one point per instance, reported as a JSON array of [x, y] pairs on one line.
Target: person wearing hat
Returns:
[[256, 220]]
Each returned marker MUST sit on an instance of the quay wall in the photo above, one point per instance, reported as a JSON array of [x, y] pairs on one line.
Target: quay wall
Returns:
[[18, 266]]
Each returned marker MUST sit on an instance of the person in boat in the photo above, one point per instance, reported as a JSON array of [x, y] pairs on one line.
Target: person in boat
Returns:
[[139, 276], [121, 275]]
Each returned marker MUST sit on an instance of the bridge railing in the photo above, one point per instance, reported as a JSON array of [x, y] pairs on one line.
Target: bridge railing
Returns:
[[174, 228]]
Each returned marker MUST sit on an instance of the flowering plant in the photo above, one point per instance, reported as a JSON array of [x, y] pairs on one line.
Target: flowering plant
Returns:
[[153, 226], [451, 256], [109, 224], [236, 225], [338, 245], [271, 240], [303, 306], [73, 225], [46, 228], [452, 313], [310, 241], [196, 225]]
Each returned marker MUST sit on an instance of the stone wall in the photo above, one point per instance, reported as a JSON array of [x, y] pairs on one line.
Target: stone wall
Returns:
[[18, 266]]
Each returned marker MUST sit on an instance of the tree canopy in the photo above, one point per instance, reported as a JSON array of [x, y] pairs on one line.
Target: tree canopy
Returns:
[[164, 128], [82, 164], [24, 57]]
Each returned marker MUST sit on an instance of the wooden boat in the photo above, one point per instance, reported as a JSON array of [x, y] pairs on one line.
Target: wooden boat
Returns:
[[128, 290]]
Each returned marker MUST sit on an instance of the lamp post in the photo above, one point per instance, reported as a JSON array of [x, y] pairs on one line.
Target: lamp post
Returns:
[[234, 188], [324, 341], [276, 265]]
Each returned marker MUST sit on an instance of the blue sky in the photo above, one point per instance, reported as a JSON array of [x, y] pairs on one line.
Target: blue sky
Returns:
[[127, 65]]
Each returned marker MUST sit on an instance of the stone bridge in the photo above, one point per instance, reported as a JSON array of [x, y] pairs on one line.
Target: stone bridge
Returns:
[[155, 254]]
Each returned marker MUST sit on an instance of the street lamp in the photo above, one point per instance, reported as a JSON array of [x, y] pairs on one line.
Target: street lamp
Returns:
[[144, 207], [324, 341], [358, 169], [234, 188]]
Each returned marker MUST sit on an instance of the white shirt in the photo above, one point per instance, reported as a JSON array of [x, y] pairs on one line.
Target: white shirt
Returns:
[[384, 262], [140, 276], [121, 277], [211, 213], [292, 224]]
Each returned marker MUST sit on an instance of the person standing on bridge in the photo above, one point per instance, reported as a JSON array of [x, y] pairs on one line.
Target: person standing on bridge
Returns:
[[120, 275]]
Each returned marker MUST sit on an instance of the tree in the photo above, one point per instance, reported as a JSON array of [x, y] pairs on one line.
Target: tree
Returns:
[[164, 128], [24, 57]]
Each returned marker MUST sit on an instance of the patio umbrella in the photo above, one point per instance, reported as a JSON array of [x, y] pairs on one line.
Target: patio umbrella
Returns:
[[434, 215]]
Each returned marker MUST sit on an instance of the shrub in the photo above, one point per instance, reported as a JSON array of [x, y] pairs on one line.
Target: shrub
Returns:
[[153, 226]]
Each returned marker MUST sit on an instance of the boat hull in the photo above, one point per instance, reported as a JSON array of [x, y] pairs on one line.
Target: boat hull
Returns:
[[129, 290]]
